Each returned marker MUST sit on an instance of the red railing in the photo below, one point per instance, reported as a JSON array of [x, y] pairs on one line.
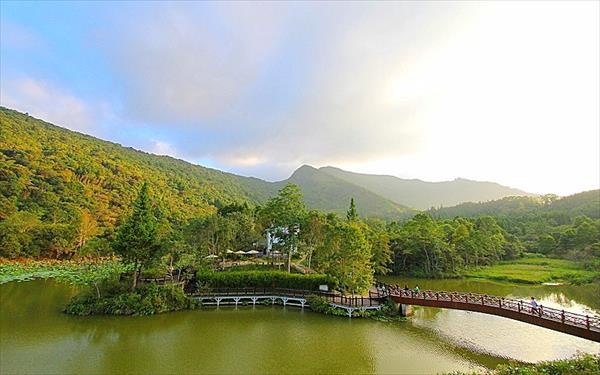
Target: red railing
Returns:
[[589, 322]]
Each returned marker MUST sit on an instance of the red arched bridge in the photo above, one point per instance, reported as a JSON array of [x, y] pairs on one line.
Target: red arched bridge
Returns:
[[586, 326]]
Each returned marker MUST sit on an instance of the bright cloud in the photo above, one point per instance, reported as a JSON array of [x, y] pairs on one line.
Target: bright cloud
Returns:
[[47, 102], [500, 91]]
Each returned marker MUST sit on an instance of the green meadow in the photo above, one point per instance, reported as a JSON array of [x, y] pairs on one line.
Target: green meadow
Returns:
[[536, 270]]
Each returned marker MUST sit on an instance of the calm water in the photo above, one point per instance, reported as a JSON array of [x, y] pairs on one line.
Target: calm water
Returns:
[[35, 337]]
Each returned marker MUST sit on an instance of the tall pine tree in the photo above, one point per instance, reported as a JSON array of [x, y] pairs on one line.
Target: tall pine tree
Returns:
[[137, 239], [352, 215]]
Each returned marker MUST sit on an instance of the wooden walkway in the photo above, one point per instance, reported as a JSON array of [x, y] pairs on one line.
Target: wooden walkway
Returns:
[[286, 297], [586, 326]]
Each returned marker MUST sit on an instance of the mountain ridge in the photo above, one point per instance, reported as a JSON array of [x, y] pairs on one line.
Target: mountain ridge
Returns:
[[41, 158], [332, 194], [101, 176], [423, 195]]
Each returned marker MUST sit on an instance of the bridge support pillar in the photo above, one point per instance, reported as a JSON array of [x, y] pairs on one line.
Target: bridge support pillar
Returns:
[[218, 299], [405, 310], [254, 301]]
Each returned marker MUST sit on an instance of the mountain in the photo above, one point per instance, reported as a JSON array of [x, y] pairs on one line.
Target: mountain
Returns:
[[423, 195], [53, 173], [333, 194], [586, 203], [56, 173]]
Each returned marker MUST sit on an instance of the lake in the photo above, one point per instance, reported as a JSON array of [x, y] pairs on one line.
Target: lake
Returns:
[[36, 337]]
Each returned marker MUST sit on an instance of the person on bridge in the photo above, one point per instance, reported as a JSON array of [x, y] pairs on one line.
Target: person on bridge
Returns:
[[534, 305], [416, 290]]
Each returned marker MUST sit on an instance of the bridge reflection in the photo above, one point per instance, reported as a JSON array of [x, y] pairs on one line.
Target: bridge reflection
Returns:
[[586, 326]]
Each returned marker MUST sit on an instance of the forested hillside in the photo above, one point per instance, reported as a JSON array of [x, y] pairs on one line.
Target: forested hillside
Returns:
[[332, 194], [63, 193], [567, 227], [58, 187], [424, 195], [65, 184], [586, 203]]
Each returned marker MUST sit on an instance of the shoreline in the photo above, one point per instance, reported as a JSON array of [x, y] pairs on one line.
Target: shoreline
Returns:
[[30, 269]]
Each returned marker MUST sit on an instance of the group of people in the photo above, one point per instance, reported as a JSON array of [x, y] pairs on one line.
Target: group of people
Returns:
[[535, 308], [415, 290]]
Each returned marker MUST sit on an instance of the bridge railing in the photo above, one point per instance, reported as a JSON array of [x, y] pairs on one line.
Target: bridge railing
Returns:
[[590, 322], [331, 296], [299, 293]]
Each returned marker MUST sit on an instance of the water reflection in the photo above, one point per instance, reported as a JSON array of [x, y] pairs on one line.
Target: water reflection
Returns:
[[501, 336], [35, 337]]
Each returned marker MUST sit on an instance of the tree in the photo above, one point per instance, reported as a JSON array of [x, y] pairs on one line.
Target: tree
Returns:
[[379, 240], [420, 245], [87, 228], [283, 215], [312, 233], [16, 234], [137, 240], [546, 244], [352, 215], [345, 256]]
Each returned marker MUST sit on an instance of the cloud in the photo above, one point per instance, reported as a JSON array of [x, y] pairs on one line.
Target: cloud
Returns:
[[429, 90], [42, 100], [276, 84], [189, 64]]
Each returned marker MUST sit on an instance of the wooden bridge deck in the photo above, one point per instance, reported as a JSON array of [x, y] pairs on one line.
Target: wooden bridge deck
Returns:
[[586, 326]]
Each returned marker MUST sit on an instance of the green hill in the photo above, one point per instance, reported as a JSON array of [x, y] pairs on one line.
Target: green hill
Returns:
[[423, 195], [586, 203], [55, 173], [330, 193]]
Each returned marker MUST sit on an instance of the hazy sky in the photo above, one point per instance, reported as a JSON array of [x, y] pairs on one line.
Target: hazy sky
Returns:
[[506, 92]]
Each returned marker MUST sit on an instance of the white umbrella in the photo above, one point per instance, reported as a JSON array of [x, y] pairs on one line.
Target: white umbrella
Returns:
[[229, 252], [252, 252], [240, 252], [211, 256]]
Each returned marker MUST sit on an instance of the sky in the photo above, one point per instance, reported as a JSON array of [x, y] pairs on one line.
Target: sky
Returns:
[[493, 91]]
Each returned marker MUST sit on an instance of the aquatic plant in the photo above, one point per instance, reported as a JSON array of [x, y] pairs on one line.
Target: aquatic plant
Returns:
[[75, 272]]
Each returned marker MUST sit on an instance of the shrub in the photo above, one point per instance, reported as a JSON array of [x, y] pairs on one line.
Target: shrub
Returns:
[[117, 299], [581, 364], [262, 279], [321, 305]]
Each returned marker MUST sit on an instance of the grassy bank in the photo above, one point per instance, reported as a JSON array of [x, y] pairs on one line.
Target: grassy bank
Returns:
[[581, 364], [536, 270]]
